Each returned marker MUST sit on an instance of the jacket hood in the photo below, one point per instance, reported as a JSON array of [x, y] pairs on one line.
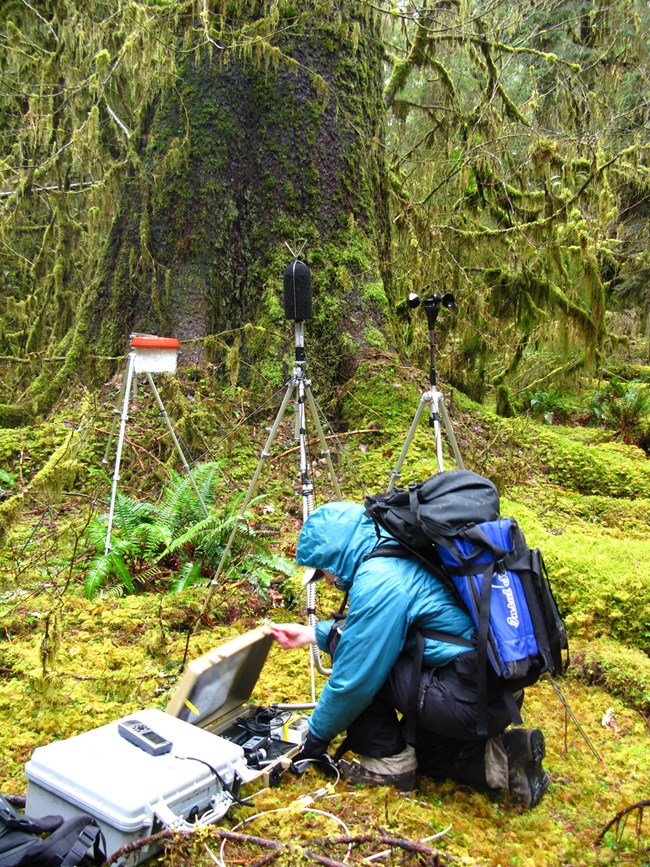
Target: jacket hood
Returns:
[[336, 537]]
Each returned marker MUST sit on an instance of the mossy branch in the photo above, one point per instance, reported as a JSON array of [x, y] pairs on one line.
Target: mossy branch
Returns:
[[402, 69]]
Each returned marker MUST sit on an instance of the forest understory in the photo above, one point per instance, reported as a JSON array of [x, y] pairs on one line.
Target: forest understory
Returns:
[[77, 653], [159, 161]]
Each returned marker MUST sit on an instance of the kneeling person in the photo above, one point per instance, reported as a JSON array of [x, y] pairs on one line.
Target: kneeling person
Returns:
[[372, 666]]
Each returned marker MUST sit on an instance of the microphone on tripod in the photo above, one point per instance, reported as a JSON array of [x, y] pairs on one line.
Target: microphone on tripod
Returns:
[[297, 291]]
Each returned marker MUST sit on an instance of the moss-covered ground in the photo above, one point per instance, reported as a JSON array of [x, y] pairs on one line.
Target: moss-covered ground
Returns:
[[68, 664]]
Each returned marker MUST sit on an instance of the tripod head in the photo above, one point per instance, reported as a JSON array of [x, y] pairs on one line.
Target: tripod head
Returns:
[[432, 306], [438, 411]]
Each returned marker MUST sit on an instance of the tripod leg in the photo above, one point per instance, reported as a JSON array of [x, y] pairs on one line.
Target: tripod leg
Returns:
[[450, 433], [396, 472], [307, 509], [120, 443], [323, 442], [170, 428], [248, 496], [435, 424], [116, 414], [307, 489]]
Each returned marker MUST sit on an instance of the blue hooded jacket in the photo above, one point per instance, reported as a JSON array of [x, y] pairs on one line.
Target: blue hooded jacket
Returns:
[[388, 595]]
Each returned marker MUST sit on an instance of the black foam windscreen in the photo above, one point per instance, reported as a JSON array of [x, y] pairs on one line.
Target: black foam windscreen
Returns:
[[297, 291]]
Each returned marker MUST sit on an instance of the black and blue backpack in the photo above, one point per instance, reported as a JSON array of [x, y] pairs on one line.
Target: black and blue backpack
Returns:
[[50, 841], [451, 523]]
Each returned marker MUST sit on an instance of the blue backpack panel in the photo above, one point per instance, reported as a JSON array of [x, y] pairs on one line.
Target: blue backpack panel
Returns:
[[503, 585]]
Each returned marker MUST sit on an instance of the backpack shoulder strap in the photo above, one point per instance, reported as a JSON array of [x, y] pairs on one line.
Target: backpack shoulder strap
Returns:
[[390, 549], [90, 838], [448, 637], [437, 569], [68, 845]]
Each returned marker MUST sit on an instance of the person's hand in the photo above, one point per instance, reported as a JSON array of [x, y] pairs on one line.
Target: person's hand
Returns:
[[289, 635], [313, 749]]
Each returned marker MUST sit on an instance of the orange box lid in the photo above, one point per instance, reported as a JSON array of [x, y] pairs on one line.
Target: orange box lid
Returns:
[[150, 341]]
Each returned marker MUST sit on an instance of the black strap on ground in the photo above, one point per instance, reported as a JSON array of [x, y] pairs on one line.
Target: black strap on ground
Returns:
[[90, 837]]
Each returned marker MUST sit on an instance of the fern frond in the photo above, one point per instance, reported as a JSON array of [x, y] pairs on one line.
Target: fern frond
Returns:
[[180, 506], [103, 568], [115, 591], [123, 573], [147, 576], [191, 538], [276, 562], [97, 575], [145, 534], [95, 535], [261, 580], [187, 576], [126, 549], [131, 513], [150, 540], [206, 477]]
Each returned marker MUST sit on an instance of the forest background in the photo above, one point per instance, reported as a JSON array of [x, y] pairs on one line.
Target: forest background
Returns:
[[157, 161]]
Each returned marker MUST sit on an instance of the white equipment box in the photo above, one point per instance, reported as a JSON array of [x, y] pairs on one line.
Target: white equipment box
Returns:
[[133, 794], [154, 354]]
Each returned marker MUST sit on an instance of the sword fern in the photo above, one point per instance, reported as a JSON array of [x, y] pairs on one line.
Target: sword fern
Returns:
[[174, 544]]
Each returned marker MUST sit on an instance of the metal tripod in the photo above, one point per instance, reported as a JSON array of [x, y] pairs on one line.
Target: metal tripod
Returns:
[[136, 365], [300, 387], [433, 397]]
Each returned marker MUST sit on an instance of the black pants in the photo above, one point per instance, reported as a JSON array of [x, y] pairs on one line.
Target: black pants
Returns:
[[446, 742]]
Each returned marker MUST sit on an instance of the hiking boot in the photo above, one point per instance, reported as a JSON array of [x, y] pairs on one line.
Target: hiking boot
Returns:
[[355, 774], [523, 745], [527, 780], [399, 770], [528, 784]]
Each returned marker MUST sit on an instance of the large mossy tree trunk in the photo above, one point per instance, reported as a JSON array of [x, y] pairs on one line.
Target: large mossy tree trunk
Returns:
[[274, 146]]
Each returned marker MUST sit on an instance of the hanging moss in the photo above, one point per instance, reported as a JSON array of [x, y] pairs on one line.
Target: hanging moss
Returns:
[[473, 186], [10, 513], [210, 217]]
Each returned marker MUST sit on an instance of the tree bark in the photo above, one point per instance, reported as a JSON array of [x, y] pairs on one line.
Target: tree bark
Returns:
[[247, 154]]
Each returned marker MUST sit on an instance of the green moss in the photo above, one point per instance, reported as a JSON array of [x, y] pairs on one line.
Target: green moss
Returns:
[[10, 513], [607, 592], [14, 415], [612, 470], [504, 403], [620, 670], [12, 442], [130, 653], [372, 336], [378, 394], [113, 656], [374, 296]]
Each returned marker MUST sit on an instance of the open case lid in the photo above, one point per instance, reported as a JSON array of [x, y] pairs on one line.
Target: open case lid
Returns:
[[221, 681]]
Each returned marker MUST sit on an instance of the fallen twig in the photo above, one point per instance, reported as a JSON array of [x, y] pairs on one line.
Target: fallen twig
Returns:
[[413, 847], [171, 833], [620, 819]]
